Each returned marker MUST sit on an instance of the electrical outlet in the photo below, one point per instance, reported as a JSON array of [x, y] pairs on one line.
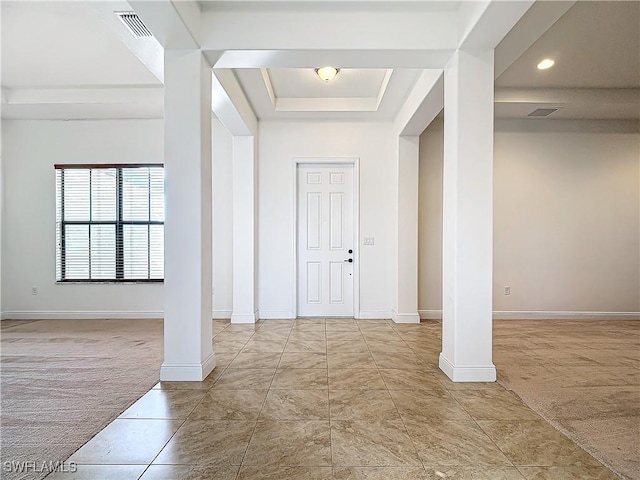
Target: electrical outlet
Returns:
[[507, 290], [34, 290], [369, 241]]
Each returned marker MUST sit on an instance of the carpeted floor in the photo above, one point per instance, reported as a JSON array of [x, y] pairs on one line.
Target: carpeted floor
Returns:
[[583, 377], [62, 381]]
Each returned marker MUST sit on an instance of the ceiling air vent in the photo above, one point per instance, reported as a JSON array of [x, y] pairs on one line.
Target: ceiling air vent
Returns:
[[134, 24], [543, 112]]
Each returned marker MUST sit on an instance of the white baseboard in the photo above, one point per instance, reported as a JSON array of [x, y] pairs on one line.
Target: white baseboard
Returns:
[[544, 315], [468, 373], [405, 317], [374, 314], [80, 315], [430, 314], [564, 315], [275, 314], [244, 317], [187, 372], [278, 314]]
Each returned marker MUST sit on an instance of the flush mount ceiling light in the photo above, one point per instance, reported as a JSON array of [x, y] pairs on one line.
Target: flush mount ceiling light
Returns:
[[546, 63], [327, 73]]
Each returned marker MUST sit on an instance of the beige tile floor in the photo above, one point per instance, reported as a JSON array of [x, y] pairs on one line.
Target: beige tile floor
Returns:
[[330, 399]]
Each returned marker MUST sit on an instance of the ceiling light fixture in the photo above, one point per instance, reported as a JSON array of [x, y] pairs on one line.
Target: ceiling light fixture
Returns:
[[546, 63], [327, 73]]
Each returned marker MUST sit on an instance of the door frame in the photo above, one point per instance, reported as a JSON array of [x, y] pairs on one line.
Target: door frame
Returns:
[[355, 162]]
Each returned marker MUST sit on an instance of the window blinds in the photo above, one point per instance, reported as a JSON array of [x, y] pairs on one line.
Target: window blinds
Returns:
[[109, 223]]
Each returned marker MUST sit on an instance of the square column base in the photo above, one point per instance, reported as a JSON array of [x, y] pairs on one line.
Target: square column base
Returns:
[[187, 372], [468, 373], [244, 318], [405, 317]]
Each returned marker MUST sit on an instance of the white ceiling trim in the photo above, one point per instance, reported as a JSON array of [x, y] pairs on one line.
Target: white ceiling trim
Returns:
[[103, 95], [83, 103], [325, 104], [422, 105], [568, 95], [230, 104], [352, 104], [399, 86], [277, 26], [488, 22], [166, 23], [269, 86], [383, 86], [372, 58]]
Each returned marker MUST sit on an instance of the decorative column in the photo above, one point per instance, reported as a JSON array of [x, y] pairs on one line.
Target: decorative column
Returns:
[[406, 304], [188, 354], [467, 263], [244, 230]]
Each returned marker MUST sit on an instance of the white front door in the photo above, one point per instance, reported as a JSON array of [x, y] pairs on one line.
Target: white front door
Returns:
[[325, 240]]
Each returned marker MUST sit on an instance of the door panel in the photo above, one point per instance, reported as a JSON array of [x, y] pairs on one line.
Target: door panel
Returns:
[[314, 282], [314, 221], [336, 224], [336, 284], [325, 236]]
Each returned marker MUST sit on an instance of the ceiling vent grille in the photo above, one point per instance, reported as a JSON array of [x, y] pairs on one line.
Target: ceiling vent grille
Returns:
[[134, 24], [543, 112]]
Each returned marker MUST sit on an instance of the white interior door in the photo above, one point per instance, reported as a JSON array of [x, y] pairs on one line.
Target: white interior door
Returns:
[[325, 240]]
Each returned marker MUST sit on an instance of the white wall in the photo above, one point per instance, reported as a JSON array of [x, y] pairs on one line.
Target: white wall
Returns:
[[566, 218], [29, 151], [279, 143], [222, 156], [2, 206], [566, 215], [430, 219]]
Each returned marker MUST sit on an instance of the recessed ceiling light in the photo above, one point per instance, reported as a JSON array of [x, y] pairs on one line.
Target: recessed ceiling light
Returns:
[[546, 63], [327, 73]]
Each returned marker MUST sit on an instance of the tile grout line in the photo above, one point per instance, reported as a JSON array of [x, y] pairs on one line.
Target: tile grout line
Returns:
[[224, 371], [256, 424], [237, 476], [475, 422], [326, 342], [255, 427], [401, 419], [206, 392]]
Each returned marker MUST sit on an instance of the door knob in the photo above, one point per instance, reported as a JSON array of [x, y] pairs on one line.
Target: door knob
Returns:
[[350, 260], [350, 251]]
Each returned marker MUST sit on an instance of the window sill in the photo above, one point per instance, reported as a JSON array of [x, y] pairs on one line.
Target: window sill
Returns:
[[110, 282]]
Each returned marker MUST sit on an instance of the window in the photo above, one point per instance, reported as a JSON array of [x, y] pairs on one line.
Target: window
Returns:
[[109, 223]]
